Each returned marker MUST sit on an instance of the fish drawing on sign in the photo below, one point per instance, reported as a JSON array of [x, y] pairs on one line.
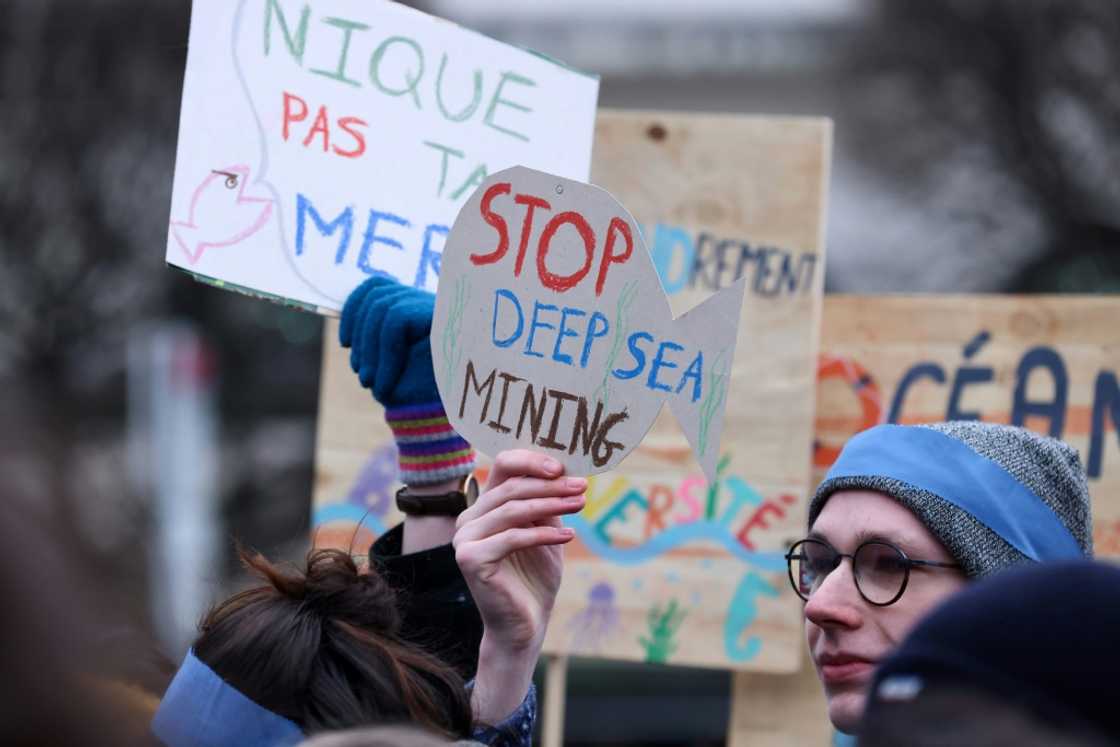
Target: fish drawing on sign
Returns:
[[220, 213], [552, 331]]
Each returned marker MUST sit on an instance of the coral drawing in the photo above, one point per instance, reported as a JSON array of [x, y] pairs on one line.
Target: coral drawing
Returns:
[[663, 623]]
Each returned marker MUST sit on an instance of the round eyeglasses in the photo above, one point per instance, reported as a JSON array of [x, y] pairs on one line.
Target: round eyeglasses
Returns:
[[881, 570]]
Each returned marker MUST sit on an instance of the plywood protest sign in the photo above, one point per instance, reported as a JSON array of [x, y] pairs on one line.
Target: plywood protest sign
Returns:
[[670, 567], [780, 710], [604, 344], [323, 143], [1050, 363], [667, 566]]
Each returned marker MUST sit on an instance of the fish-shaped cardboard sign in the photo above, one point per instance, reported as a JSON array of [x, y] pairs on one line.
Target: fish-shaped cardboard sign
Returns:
[[552, 331]]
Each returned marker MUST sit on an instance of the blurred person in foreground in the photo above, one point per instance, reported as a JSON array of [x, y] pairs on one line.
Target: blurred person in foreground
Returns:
[[908, 516], [465, 587], [377, 736], [1024, 659], [75, 668]]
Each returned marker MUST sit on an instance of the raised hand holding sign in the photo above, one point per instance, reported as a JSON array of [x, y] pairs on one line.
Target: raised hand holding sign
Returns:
[[552, 331]]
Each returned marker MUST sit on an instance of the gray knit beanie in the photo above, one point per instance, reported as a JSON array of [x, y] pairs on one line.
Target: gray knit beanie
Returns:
[[994, 495]]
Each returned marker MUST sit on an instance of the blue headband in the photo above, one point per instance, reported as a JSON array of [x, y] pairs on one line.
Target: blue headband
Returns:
[[200, 709], [950, 469]]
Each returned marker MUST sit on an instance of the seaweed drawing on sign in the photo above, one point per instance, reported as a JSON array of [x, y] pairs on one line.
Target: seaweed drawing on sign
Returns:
[[220, 213], [452, 336], [597, 622], [663, 624], [621, 331]]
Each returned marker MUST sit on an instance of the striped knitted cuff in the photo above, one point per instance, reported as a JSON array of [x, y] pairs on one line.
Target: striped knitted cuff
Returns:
[[430, 449]]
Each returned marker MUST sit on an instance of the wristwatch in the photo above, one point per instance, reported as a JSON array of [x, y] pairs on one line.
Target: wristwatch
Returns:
[[451, 503]]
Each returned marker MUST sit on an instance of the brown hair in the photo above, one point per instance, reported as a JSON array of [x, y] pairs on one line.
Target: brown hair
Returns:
[[322, 647]]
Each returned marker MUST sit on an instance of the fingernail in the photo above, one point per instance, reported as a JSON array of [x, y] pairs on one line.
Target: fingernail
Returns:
[[551, 465], [576, 483], [574, 500], [568, 532]]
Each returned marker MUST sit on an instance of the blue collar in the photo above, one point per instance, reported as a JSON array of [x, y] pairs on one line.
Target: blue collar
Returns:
[[950, 469], [200, 709]]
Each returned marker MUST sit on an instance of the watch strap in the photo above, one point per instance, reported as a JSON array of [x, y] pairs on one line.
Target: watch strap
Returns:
[[451, 503]]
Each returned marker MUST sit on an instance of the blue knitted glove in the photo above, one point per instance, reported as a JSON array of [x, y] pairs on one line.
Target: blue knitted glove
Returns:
[[386, 325]]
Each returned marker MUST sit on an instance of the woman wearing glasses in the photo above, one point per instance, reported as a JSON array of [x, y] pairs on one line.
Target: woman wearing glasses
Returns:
[[908, 515]]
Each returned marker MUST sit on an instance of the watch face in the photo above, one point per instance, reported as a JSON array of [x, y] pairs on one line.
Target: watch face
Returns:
[[470, 489]]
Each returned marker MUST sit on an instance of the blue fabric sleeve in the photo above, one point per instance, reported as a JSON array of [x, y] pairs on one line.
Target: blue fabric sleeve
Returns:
[[516, 730]]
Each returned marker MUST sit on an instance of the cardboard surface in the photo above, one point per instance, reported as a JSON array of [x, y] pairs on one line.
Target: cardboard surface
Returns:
[[551, 330], [665, 568], [321, 143]]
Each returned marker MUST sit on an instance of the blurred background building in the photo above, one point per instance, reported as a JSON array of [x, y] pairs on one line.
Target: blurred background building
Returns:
[[977, 149]]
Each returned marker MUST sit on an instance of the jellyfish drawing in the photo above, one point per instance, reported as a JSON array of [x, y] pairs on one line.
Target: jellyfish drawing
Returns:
[[372, 488], [595, 623]]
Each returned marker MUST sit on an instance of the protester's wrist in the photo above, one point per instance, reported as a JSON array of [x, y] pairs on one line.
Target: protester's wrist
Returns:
[[425, 532], [505, 672]]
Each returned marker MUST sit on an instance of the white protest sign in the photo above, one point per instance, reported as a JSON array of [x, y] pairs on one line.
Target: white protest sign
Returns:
[[321, 143], [552, 331]]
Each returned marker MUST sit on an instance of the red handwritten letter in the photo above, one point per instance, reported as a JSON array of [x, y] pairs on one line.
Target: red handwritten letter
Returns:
[[561, 283], [495, 220], [609, 257]]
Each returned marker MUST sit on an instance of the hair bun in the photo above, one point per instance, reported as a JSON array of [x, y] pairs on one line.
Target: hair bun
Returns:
[[332, 587], [321, 646], [339, 590]]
